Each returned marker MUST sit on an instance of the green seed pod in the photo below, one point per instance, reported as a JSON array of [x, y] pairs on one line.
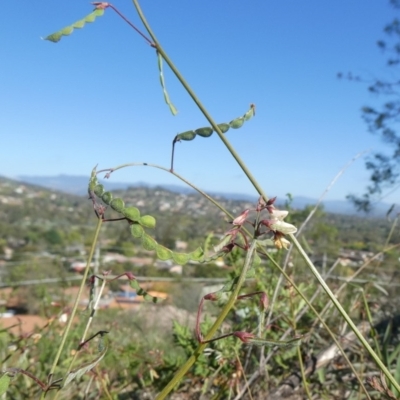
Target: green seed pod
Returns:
[[132, 213], [92, 184], [197, 254], [148, 243], [188, 135], [204, 132], [163, 253], [223, 127], [180, 258], [99, 190], [117, 204], [107, 197], [237, 123], [147, 221], [249, 114], [137, 230]]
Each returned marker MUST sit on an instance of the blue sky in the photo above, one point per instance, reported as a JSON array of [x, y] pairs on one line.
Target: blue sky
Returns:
[[95, 98]]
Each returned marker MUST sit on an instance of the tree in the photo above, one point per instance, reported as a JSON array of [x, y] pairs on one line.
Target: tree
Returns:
[[383, 121]]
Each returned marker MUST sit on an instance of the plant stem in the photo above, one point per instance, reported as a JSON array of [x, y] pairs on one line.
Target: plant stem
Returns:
[[344, 314], [75, 308], [214, 125], [232, 298]]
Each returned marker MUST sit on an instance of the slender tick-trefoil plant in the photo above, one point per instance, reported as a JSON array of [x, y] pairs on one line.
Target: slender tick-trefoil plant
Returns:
[[251, 232]]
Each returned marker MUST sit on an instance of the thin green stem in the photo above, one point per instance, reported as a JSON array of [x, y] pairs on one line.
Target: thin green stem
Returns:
[[75, 308], [344, 314], [214, 125], [232, 298]]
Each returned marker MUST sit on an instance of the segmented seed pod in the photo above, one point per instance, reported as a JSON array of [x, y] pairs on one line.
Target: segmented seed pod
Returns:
[[117, 204], [237, 123], [197, 254], [163, 253], [204, 132], [223, 127], [132, 213], [180, 258], [148, 242], [188, 135], [107, 197], [137, 231], [99, 190], [147, 221]]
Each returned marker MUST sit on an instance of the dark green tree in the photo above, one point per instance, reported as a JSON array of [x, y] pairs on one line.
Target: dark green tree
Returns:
[[383, 120]]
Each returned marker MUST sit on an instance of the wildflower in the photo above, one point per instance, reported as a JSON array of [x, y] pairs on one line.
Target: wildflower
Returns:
[[241, 219]]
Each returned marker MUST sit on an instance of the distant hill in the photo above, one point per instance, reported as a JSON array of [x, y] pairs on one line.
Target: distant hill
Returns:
[[78, 185]]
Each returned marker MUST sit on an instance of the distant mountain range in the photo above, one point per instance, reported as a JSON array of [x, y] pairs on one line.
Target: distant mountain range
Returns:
[[78, 185]]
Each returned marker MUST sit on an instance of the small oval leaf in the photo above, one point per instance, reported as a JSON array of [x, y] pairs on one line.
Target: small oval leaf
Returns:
[[148, 221], [4, 383], [163, 253], [107, 197], [137, 230], [204, 132], [131, 213], [99, 190], [148, 242], [117, 204], [237, 123]]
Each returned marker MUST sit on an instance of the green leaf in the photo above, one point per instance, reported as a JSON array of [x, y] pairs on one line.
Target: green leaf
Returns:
[[107, 197], [4, 383], [166, 97], [237, 123], [148, 242], [131, 213], [86, 367], [163, 253], [204, 132], [137, 230], [148, 221], [55, 37], [117, 204]]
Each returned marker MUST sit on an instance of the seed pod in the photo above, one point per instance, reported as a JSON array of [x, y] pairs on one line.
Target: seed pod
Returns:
[[197, 254], [237, 123], [163, 253], [132, 213], [204, 132], [223, 127], [117, 204], [107, 197], [98, 190], [188, 135], [180, 258], [148, 242], [137, 230], [148, 221], [55, 37]]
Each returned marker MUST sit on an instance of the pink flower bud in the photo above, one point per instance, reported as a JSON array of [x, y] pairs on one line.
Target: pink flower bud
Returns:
[[245, 337], [241, 219]]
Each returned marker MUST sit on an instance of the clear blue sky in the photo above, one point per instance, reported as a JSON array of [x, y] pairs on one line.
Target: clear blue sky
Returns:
[[94, 97]]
